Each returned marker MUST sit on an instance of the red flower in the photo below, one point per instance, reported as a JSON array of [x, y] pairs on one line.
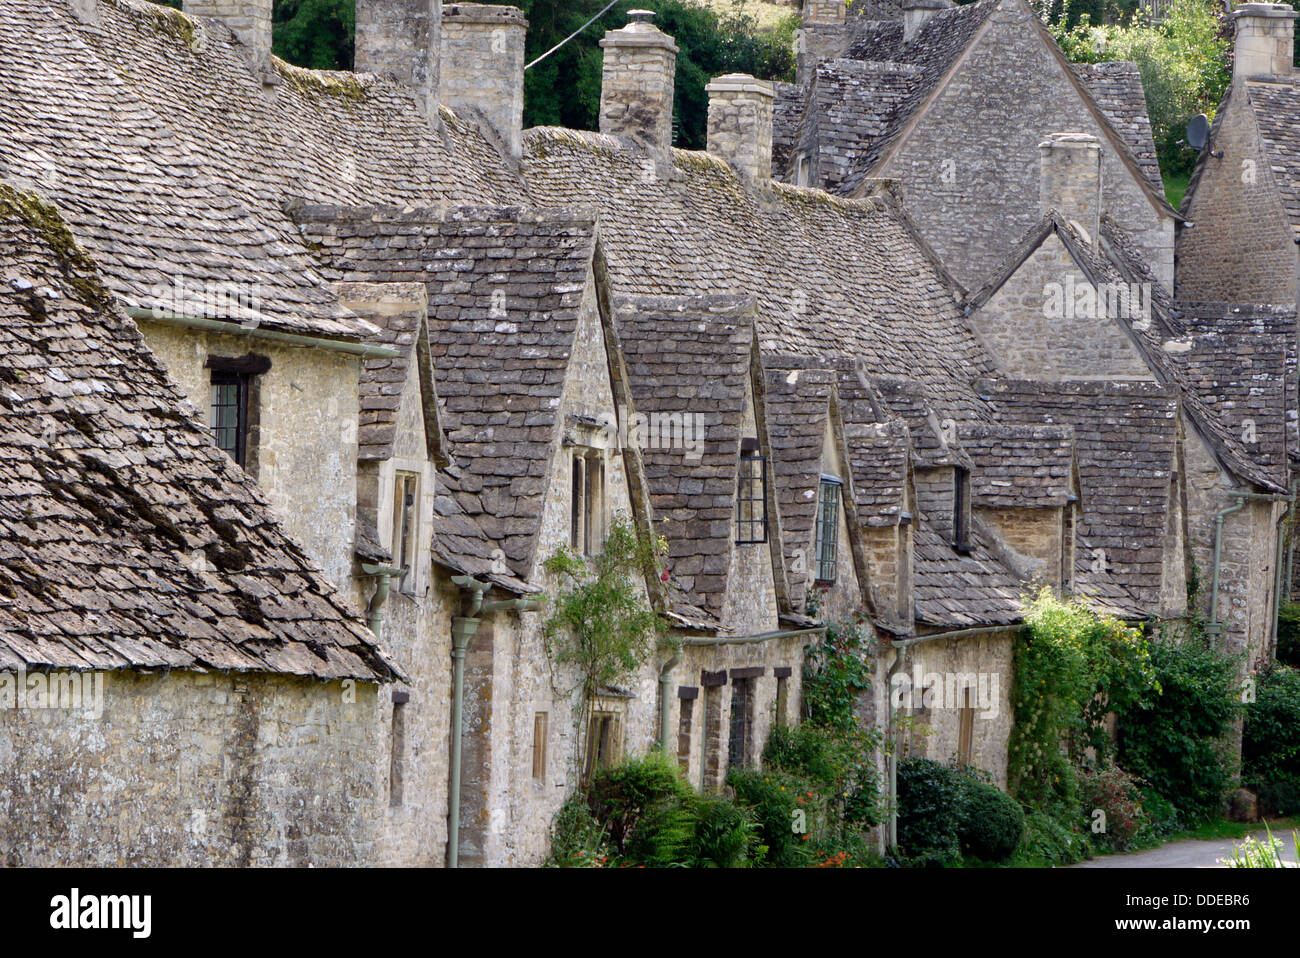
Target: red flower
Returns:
[[664, 576]]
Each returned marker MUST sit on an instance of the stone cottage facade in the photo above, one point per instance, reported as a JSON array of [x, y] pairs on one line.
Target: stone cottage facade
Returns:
[[431, 348]]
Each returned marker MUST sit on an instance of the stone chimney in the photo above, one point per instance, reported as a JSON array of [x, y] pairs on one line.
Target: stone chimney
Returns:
[[824, 12], [636, 93], [1265, 40], [402, 38], [1069, 179], [249, 19], [483, 66], [917, 12], [740, 124]]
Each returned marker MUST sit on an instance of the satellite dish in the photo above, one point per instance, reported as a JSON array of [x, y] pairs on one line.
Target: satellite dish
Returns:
[[1198, 132]]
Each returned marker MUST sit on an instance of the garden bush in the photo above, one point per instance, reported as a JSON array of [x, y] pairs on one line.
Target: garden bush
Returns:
[[991, 823], [1116, 794], [930, 798], [648, 790], [1270, 743]]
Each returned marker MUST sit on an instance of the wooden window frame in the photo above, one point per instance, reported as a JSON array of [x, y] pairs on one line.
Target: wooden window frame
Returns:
[[406, 526], [828, 530], [751, 495]]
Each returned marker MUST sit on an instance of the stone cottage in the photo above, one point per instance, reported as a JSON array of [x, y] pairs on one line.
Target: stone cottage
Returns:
[[444, 347], [951, 103]]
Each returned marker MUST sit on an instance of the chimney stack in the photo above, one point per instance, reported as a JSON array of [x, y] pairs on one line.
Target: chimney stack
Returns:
[[402, 38], [1069, 179], [483, 66], [917, 12], [249, 19], [825, 12], [636, 93], [1265, 40], [740, 124]]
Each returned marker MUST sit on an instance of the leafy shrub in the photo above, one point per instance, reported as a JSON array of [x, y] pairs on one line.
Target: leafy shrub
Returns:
[[1048, 841], [1170, 734], [774, 798], [724, 834], [645, 790], [836, 672], [991, 822], [577, 838], [1270, 743], [1116, 794], [1162, 816], [1288, 633], [930, 798], [837, 762]]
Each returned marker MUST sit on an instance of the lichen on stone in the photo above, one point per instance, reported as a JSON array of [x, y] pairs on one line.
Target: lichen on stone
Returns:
[[345, 86]]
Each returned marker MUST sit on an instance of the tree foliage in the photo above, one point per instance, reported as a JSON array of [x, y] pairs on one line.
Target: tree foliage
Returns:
[[1184, 60]]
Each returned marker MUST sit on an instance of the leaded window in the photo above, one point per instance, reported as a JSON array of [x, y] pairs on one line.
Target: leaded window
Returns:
[[828, 526], [751, 494]]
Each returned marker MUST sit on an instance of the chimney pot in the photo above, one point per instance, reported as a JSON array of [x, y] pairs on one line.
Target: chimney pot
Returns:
[[636, 93], [402, 38], [1264, 40], [740, 124], [483, 66], [1069, 180]]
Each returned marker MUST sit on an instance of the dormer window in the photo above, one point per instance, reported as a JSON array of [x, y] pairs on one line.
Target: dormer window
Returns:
[[751, 494], [1067, 548], [587, 505], [828, 528], [961, 510], [801, 168]]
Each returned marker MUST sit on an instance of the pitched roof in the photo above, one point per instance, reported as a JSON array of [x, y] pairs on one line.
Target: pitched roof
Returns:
[[1126, 433], [1019, 466], [798, 402], [1276, 105], [129, 540], [1108, 92], [1117, 88], [691, 357], [151, 131], [1163, 340], [957, 591], [829, 275], [505, 287]]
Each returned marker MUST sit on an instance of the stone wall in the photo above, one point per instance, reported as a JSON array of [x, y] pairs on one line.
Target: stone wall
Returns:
[[988, 659], [970, 167], [1240, 246], [189, 769], [306, 433], [249, 19], [740, 124], [1035, 536]]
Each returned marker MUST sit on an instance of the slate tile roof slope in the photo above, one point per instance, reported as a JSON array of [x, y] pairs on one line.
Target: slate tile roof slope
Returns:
[[931, 446], [963, 591], [851, 105], [934, 49], [384, 378], [1017, 467], [691, 356], [505, 287], [129, 540], [787, 114], [830, 275], [1243, 364], [1276, 106], [797, 401], [879, 458], [151, 130], [1117, 88], [1125, 433]]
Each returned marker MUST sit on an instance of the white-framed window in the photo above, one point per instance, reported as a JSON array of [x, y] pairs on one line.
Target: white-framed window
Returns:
[[406, 522]]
